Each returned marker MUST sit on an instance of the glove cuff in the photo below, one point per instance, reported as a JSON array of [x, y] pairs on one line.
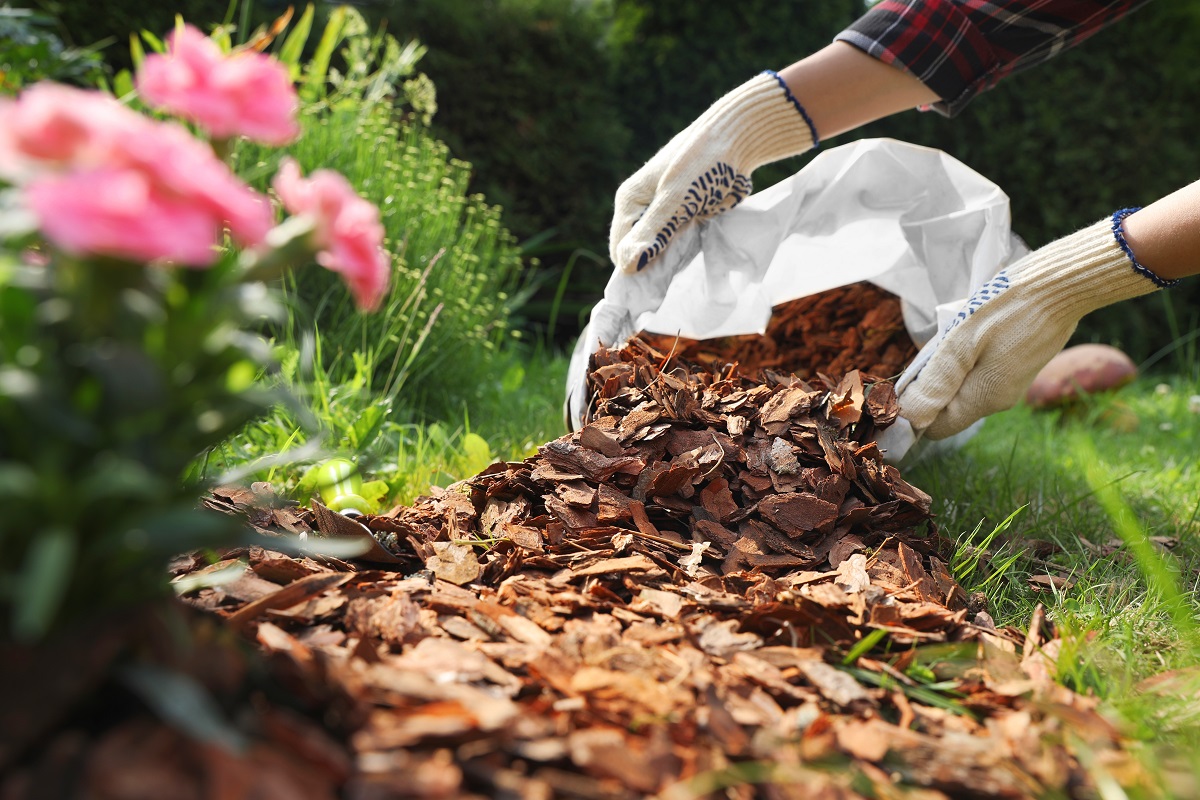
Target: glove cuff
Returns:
[[1118, 229], [768, 123], [1087, 270], [791, 98]]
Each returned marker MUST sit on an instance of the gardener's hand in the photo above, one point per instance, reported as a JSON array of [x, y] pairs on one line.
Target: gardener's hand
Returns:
[[987, 357], [706, 169]]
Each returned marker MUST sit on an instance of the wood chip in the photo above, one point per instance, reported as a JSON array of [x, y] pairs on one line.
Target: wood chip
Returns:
[[455, 563]]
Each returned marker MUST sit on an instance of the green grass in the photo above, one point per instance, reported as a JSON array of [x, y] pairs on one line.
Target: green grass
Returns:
[[506, 412], [1108, 497], [1035, 462]]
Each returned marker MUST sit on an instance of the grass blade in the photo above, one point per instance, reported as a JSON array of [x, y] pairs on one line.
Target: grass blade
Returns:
[[293, 45]]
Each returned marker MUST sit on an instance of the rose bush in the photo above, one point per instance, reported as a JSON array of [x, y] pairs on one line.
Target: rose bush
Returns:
[[135, 272]]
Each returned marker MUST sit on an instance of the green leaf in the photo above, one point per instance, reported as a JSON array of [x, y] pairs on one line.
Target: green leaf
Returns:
[[123, 84], [43, 581], [863, 646], [367, 426], [180, 529], [929, 695], [513, 379], [114, 478], [241, 376], [293, 45], [921, 672], [314, 81], [477, 453], [223, 39], [153, 42], [136, 52], [374, 492]]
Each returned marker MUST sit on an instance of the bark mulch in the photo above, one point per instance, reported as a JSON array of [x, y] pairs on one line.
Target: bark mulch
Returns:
[[858, 326], [717, 587]]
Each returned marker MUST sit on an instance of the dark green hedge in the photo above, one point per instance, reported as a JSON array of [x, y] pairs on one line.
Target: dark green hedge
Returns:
[[523, 95], [86, 23]]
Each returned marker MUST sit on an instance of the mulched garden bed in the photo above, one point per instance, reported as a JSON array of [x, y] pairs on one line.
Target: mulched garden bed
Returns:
[[716, 588]]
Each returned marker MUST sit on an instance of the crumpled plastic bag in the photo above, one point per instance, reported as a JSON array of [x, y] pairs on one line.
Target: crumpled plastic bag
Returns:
[[912, 220]]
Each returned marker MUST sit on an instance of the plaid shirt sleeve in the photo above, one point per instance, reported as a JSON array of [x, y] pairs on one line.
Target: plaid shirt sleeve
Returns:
[[959, 48]]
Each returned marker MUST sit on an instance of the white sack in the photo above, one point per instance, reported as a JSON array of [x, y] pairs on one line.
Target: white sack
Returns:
[[911, 220]]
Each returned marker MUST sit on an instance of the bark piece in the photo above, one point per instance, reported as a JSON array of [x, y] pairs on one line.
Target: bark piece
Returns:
[[797, 512], [455, 563]]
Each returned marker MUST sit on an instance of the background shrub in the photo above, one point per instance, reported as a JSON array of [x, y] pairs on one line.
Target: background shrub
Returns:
[[524, 96], [31, 50], [457, 267]]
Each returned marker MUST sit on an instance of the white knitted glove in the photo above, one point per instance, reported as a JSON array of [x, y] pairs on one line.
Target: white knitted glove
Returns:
[[987, 357], [706, 168]]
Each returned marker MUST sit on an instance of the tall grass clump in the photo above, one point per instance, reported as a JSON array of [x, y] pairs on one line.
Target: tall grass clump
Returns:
[[457, 269], [456, 265]]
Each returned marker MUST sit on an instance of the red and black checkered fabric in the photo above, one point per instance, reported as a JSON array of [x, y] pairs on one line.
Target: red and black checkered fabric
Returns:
[[959, 48]]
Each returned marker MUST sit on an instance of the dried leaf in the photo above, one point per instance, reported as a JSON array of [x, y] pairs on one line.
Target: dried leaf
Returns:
[[720, 638], [1050, 583], [846, 401]]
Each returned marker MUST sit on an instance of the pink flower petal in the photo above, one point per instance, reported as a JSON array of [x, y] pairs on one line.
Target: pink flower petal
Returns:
[[348, 233], [245, 93], [120, 213]]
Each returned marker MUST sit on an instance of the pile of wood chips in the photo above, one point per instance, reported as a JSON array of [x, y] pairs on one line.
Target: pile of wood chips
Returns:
[[716, 588], [858, 326]]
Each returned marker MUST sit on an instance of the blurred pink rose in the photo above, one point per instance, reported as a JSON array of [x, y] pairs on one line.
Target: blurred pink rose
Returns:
[[348, 233], [121, 213], [181, 166], [55, 140], [55, 126], [245, 93]]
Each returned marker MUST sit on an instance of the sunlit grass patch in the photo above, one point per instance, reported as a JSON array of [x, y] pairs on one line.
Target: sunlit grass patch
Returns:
[[1108, 495]]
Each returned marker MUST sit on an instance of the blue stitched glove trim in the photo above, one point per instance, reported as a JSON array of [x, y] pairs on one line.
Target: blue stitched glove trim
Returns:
[[1119, 233], [816, 140]]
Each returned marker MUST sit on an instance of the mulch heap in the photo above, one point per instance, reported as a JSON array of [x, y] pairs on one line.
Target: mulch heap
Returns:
[[716, 588]]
